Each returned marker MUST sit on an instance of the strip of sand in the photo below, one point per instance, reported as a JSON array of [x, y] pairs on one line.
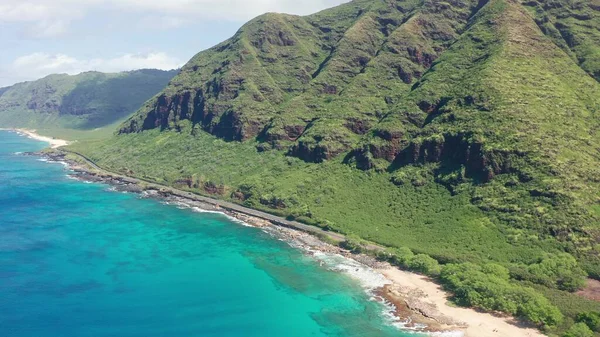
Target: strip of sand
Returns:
[[54, 143], [472, 322]]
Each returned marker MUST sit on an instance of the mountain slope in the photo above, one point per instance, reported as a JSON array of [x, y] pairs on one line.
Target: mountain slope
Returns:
[[284, 76], [463, 130], [574, 27], [85, 101]]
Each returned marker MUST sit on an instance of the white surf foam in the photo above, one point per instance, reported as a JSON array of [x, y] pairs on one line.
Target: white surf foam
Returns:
[[368, 278], [372, 280], [184, 205], [231, 218], [447, 334]]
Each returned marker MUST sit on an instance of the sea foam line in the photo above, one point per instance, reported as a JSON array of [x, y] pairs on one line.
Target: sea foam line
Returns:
[[370, 280], [367, 277], [183, 205]]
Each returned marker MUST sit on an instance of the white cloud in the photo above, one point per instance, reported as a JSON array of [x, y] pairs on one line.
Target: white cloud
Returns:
[[224, 9], [51, 18], [46, 29], [155, 22], [39, 19], [38, 65]]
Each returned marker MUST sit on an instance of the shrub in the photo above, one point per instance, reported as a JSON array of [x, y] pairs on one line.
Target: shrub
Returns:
[[497, 270], [579, 330], [401, 256], [424, 264], [591, 319], [560, 271], [352, 243], [489, 288]]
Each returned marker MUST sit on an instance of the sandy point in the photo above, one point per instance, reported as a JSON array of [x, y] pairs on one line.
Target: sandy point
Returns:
[[473, 323], [54, 142]]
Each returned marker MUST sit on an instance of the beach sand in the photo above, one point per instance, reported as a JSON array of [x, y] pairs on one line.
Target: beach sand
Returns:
[[54, 143], [472, 322]]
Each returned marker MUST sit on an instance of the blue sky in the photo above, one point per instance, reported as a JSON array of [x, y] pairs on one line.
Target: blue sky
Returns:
[[42, 37]]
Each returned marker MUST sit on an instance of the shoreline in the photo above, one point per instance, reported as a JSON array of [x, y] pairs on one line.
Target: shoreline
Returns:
[[417, 303], [54, 142]]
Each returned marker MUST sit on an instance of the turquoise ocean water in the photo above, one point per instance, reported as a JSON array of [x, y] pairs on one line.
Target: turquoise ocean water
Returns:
[[78, 260]]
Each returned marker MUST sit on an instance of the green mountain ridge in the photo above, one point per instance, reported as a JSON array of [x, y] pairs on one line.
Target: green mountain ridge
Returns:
[[86, 101], [465, 131]]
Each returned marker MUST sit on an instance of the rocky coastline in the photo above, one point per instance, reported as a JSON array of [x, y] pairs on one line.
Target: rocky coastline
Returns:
[[415, 302], [406, 306]]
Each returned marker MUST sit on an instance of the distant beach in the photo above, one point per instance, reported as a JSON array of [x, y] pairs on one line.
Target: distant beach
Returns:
[[54, 142]]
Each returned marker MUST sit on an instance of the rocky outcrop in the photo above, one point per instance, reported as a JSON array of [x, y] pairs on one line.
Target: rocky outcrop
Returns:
[[213, 188], [449, 150], [311, 152], [221, 120], [384, 144], [460, 149], [358, 126], [273, 202]]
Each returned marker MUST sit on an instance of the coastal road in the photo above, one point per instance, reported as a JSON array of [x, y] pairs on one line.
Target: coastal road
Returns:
[[336, 237]]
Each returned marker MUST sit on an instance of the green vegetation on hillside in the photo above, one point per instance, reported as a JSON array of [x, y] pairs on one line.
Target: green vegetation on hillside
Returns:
[[464, 135], [86, 101]]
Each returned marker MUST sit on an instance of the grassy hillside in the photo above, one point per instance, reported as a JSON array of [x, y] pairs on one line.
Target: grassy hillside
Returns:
[[461, 134], [86, 101]]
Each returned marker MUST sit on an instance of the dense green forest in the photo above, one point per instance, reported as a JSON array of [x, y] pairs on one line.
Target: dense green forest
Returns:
[[462, 134]]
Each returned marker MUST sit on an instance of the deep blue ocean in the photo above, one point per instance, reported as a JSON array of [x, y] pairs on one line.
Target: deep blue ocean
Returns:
[[79, 260]]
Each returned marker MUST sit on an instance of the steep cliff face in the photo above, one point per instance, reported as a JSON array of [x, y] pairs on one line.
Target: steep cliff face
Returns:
[[461, 150], [88, 100], [485, 85]]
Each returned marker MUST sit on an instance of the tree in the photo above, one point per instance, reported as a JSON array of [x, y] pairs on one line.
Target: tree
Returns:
[[536, 308]]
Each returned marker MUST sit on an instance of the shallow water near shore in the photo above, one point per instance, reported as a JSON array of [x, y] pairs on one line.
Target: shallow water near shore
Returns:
[[79, 260]]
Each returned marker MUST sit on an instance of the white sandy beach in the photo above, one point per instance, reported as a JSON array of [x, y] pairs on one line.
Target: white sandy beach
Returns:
[[478, 324], [54, 143]]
